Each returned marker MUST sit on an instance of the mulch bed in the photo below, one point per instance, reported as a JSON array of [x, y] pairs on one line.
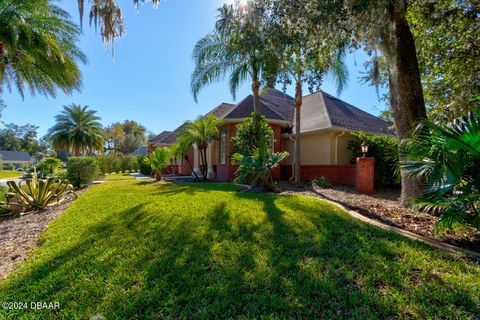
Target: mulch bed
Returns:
[[383, 205], [19, 234]]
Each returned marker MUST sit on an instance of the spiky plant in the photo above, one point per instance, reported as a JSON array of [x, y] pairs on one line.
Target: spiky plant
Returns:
[[257, 167], [38, 50], [447, 159], [77, 130]]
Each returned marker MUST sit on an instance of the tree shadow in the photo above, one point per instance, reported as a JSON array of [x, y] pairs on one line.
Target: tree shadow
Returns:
[[294, 258]]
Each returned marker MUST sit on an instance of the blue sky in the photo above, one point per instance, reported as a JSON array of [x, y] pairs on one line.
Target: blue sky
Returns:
[[148, 80]]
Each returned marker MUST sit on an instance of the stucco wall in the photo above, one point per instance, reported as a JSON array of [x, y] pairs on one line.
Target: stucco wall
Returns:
[[319, 149]]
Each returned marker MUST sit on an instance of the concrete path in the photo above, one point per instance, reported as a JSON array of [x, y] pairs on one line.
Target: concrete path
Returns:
[[3, 182], [139, 176]]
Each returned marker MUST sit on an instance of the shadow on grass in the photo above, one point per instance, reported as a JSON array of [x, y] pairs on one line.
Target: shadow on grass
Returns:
[[316, 264]]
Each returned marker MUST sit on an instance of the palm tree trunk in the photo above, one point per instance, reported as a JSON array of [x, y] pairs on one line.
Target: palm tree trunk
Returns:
[[296, 151], [406, 94], [191, 168], [256, 94]]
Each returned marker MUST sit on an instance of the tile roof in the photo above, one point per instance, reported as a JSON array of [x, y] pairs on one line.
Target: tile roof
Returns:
[[322, 111], [221, 110], [274, 105], [158, 138], [8, 155]]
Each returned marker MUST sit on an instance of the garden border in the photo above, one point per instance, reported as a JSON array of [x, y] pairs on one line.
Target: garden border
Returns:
[[413, 236]]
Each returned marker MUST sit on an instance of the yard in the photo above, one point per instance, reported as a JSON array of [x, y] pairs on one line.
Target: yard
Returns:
[[131, 249], [10, 174]]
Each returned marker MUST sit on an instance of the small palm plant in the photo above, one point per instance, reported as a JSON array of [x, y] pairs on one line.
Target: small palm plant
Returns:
[[447, 159], [158, 161], [201, 132], [256, 168]]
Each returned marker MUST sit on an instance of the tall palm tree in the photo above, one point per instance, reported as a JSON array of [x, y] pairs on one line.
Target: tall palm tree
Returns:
[[38, 49], [77, 130], [201, 132], [236, 47]]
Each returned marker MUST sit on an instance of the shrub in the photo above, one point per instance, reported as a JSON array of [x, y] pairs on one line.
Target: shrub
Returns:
[[144, 165], [385, 151], [446, 159], [82, 170], [249, 132], [126, 163], [49, 166], [254, 156], [321, 182], [9, 166]]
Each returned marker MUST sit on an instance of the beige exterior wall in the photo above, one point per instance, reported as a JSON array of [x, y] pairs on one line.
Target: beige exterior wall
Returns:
[[320, 149], [344, 155]]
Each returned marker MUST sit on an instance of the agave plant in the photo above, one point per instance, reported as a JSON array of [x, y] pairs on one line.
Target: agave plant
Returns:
[[447, 159], [36, 193], [257, 167]]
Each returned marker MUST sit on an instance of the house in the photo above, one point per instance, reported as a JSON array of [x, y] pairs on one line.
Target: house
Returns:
[[326, 123], [17, 158], [140, 151]]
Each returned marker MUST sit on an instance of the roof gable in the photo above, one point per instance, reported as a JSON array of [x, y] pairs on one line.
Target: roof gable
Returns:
[[273, 104], [321, 110], [158, 138]]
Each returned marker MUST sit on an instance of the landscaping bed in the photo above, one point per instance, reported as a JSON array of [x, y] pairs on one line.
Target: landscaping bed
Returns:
[[19, 235], [384, 206]]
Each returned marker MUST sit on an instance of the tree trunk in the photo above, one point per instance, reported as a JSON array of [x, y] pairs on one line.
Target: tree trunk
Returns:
[[406, 94], [296, 151], [191, 167], [256, 94]]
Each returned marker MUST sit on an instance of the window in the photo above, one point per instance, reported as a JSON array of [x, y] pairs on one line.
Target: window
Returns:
[[223, 147]]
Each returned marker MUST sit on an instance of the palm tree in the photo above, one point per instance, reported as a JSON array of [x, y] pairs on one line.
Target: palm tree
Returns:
[[201, 132], [158, 160], [38, 49], [179, 150], [77, 130], [235, 47], [446, 160]]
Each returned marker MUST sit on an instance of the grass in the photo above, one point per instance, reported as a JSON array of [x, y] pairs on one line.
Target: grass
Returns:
[[10, 174], [130, 249]]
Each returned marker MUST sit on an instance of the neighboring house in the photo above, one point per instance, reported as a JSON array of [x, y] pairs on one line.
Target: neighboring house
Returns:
[[326, 123], [17, 158], [141, 151]]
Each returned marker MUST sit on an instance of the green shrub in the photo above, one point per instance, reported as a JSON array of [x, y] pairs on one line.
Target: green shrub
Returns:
[[82, 170], [126, 163], [248, 134], [321, 182], [144, 165], [48, 166], [385, 151], [109, 163], [9, 166]]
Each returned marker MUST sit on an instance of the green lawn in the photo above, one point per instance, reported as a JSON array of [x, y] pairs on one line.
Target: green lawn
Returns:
[[10, 174], [130, 249]]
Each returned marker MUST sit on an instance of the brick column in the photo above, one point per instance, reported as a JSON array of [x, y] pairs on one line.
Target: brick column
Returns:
[[364, 174]]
